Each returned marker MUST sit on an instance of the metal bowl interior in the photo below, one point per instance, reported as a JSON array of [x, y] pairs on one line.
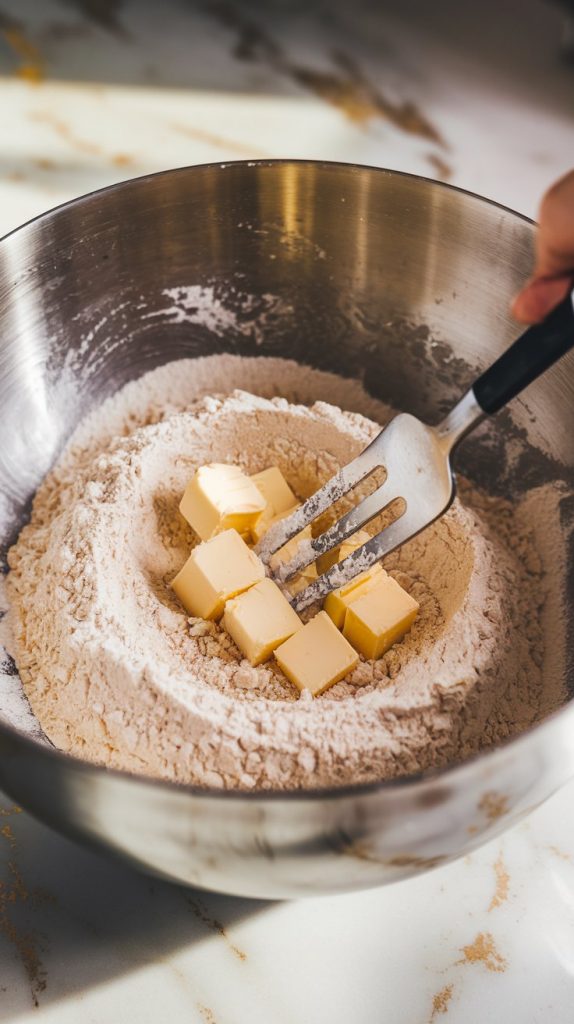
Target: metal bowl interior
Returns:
[[399, 281]]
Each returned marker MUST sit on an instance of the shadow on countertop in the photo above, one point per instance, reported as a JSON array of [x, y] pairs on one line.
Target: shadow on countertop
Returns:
[[71, 920]]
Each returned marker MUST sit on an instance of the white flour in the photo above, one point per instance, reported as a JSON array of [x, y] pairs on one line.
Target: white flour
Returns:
[[117, 674]]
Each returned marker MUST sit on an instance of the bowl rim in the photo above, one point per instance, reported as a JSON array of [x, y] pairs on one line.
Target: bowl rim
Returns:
[[257, 164], [334, 792]]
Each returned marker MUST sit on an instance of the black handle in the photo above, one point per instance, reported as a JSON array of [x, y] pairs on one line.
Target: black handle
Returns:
[[530, 355]]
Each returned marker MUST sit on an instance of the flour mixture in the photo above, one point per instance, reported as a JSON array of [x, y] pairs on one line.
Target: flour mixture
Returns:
[[117, 673]]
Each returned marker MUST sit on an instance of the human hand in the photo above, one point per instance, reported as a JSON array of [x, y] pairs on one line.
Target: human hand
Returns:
[[554, 268]]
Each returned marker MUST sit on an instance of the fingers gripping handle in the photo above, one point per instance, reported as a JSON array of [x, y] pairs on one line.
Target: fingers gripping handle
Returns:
[[530, 355]]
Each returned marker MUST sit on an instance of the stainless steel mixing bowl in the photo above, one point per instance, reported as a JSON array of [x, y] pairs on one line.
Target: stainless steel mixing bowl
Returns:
[[397, 280]]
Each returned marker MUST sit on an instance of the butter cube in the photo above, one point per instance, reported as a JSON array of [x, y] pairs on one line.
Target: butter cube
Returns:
[[325, 562], [317, 656], [379, 617], [215, 571], [277, 494], [301, 580], [259, 620], [288, 551], [221, 497], [338, 601]]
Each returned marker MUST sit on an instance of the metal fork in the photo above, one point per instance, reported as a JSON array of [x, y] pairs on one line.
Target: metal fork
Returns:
[[416, 458]]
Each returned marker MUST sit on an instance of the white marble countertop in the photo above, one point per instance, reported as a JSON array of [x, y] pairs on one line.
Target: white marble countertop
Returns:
[[487, 939], [93, 92]]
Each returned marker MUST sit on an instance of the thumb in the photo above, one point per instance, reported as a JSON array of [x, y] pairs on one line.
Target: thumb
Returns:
[[539, 297]]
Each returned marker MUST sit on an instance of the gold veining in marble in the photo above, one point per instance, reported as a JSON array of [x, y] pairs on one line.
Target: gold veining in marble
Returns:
[[483, 951], [502, 884]]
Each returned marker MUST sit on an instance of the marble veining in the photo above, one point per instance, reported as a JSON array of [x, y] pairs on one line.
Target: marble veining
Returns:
[[94, 91]]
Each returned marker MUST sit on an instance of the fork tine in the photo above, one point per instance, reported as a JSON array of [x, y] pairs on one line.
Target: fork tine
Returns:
[[348, 524], [339, 484], [358, 561]]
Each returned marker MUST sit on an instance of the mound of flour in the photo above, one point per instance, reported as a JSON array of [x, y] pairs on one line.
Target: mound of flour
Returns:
[[117, 673]]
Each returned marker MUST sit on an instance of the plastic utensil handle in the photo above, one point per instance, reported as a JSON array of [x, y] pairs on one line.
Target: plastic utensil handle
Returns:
[[530, 355]]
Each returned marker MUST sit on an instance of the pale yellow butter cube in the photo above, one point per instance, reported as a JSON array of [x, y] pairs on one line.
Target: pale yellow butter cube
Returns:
[[221, 497], [288, 551], [259, 620], [338, 601], [275, 489], [263, 522], [377, 619], [215, 571], [302, 580], [277, 494], [325, 562], [317, 656]]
